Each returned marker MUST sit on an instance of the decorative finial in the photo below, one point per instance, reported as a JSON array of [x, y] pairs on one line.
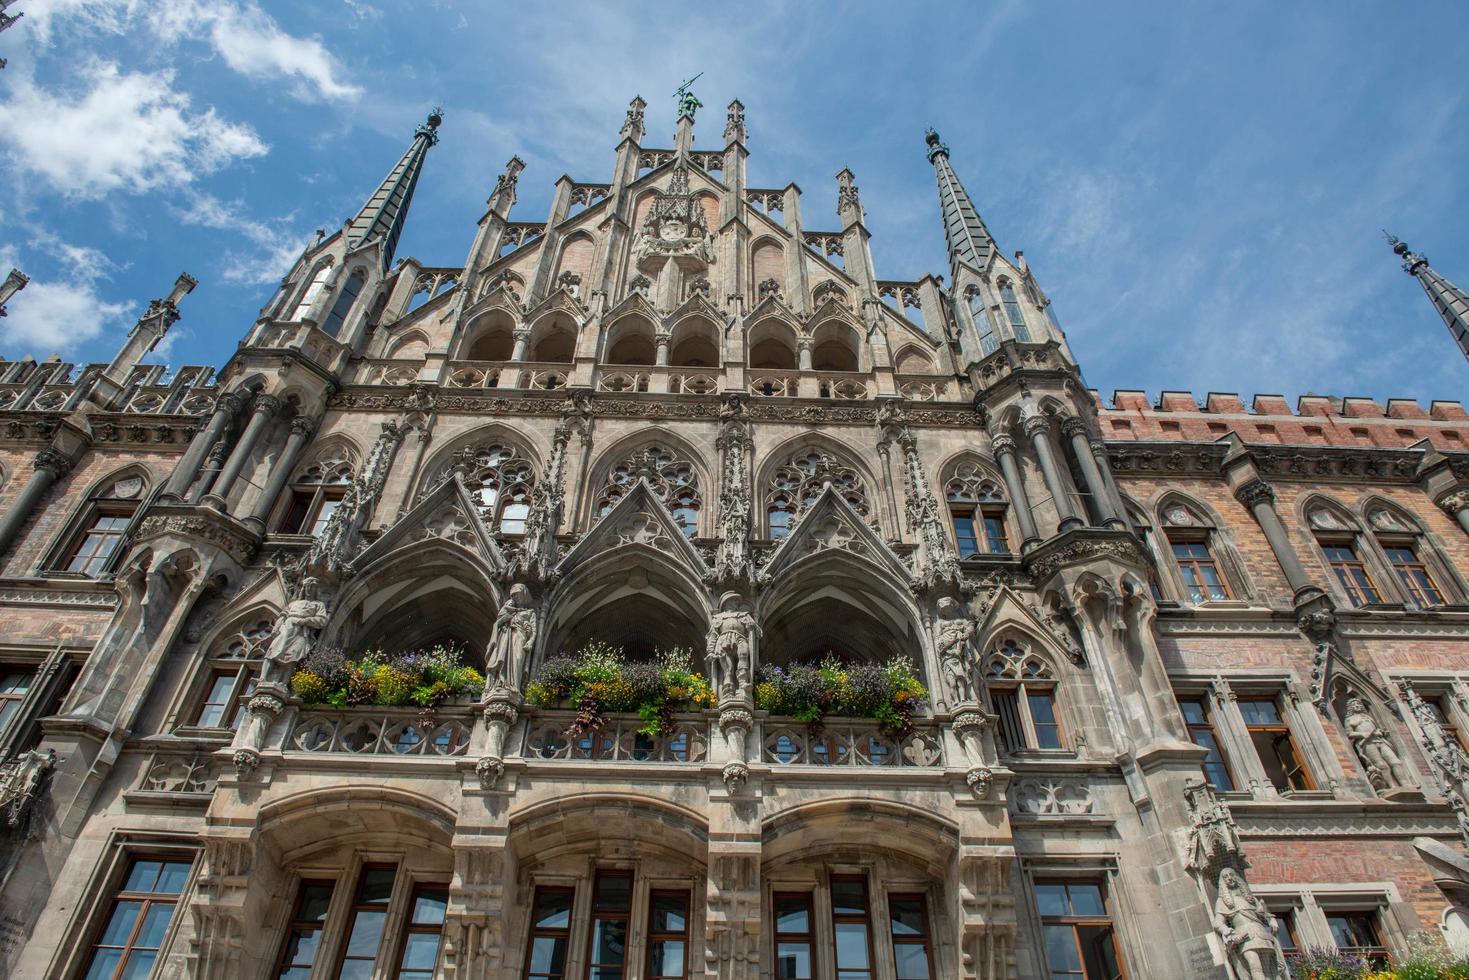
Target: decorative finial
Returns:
[[734, 124], [632, 126], [935, 145], [431, 125], [1412, 261], [848, 202], [435, 117]]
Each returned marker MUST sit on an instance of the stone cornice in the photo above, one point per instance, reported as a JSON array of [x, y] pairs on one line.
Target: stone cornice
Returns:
[[1347, 463], [1083, 545], [201, 524], [119, 429], [70, 593]]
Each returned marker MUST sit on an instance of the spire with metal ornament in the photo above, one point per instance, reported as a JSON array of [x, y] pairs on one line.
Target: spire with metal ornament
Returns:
[[1451, 302], [968, 239], [384, 214]]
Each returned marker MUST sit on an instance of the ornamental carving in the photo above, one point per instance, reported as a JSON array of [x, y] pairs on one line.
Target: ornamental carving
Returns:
[[1045, 562], [235, 544], [1052, 797]]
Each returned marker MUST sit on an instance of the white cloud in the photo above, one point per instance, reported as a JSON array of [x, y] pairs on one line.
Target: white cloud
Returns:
[[274, 244], [126, 131], [59, 315]]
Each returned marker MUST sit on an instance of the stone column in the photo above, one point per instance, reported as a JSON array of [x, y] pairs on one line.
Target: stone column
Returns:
[[50, 466], [1099, 453], [1038, 428], [1457, 504], [264, 410], [522, 344], [1075, 430], [301, 430], [1259, 497], [661, 359], [226, 407], [803, 355], [1004, 447], [218, 453]]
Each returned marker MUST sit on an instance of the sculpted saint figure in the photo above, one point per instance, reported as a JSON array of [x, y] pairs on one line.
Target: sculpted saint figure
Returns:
[[955, 631], [731, 631], [1247, 927], [1384, 766], [515, 631], [296, 628]]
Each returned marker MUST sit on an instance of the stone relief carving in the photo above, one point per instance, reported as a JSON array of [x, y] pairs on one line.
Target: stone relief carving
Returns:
[[22, 781], [1052, 796], [954, 636]]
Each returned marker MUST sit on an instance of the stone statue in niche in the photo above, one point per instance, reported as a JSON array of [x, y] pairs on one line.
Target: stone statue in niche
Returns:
[[515, 631], [1247, 928], [296, 629], [954, 632], [1385, 768], [730, 647]]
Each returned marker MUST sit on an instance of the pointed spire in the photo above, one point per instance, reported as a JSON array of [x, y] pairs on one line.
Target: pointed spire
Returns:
[[968, 239], [385, 212], [1451, 302], [734, 124], [13, 284], [632, 126]]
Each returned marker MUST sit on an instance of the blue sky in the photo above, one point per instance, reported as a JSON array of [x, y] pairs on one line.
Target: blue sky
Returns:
[[1199, 187]]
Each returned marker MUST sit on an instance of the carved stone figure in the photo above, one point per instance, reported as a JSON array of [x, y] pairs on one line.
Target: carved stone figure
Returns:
[[296, 629], [956, 663], [1385, 768], [731, 641], [1247, 928], [21, 782], [515, 631]]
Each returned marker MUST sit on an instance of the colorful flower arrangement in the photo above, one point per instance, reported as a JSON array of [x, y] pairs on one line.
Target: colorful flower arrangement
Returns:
[[426, 678], [1427, 958], [598, 680], [890, 693]]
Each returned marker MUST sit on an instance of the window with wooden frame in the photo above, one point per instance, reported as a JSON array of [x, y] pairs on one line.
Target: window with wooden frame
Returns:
[[225, 698], [15, 684], [977, 512], [316, 493], [550, 933], [1022, 689], [611, 912], [1077, 928], [1358, 932], [138, 918], [1285, 930], [92, 546], [1274, 745], [668, 935], [1191, 537], [1336, 534], [1200, 722], [794, 953], [367, 919], [302, 946], [423, 929], [851, 919], [912, 942], [1403, 545], [229, 672]]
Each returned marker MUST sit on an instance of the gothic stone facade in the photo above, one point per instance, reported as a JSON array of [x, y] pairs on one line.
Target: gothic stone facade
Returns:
[[1197, 671]]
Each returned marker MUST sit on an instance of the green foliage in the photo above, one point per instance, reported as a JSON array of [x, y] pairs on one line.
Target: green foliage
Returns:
[[426, 678], [890, 693], [599, 681]]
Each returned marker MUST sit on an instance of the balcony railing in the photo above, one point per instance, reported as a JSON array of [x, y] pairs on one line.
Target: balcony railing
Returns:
[[838, 743], [687, 740], [381, 731], [473, 374]]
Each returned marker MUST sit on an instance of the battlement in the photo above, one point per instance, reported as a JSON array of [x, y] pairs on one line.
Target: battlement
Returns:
[[56, 385], [1322, 420]]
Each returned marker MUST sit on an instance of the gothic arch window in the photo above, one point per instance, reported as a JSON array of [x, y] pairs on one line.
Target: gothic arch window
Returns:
[[1013, 312], [694, 342], [1194, 546], [313, 290], [317, 491], [630, 341], [228, 674], [1022, 688], [500, 480], [1416, 565], [1339, 538], [553, 339], [93, 542], [977, 511], [346, 299], [911, 360], [772, 346], [796, 485], [673, 477], [984, 326], [492, 338]]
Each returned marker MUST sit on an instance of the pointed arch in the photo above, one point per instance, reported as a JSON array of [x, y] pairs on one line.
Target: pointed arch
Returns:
[[1203, 560], [771, 345], [1422, 576], [315, 285], [576, 258], [1350, 558], [694, 341], [94, 539], [630, 339], [412, 346], [497, 462], [791, 476], [1022, 678], [911, 360], [767, 262], [675, 468], [488, 336], [553, 337], [349, 288], [978, 505], [836, 345]]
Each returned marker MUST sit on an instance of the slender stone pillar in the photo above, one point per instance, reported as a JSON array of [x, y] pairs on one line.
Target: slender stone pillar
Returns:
[[1457, 504], [1004, 447], [1075, 430], [50, 466], [1038, 428], [804, 356], [1259, 497], [218, 453], [301, 430], [1099, 453], [226, 407], [661, 359], [263, 410], [522, 344]]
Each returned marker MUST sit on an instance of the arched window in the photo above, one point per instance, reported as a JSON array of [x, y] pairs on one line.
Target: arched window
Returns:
[[976, 512], [92, 546], [983, 325], [332, 325], [318, 283], [317, 491], [1022, 689], [797, 485], [231, 670], [674, 480], [1012, 312], [500, 480], [1402, 545], [1336, 534], [1191, 542]]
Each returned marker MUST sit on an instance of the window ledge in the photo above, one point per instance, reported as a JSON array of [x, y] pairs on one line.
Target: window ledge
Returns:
[[1306, 795]]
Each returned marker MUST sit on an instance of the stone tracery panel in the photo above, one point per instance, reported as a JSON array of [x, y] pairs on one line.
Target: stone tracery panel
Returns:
[[796, 485], [672, 476]]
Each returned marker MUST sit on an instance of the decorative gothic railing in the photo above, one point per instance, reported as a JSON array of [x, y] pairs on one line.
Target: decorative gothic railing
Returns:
[[381, 731], [693, 384], [687, 740], [839, 743], [473, 374], [543, 377]]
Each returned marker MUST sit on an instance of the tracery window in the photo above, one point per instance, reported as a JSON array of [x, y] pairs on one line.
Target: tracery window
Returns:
[[1192, 542], [346, 298], [1337, 535], [318, 283], [1405, 550], [1013, 313], [983, 325], [674, 480], [92, 547], [231, 671], [317, 491], [798, 484], [500, 480], [1022, 688], [618, 929], [977, 512]]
